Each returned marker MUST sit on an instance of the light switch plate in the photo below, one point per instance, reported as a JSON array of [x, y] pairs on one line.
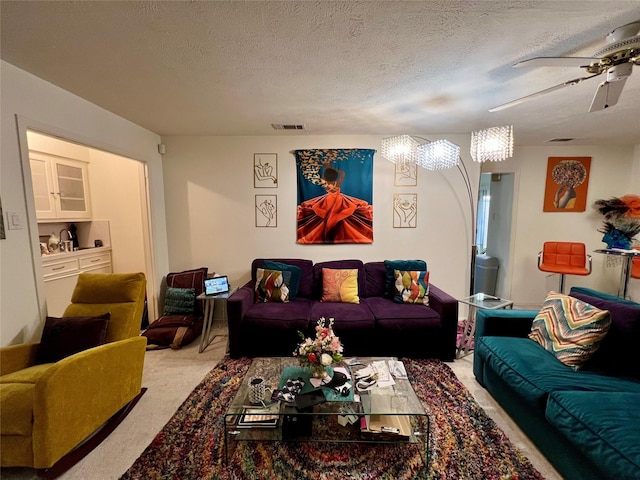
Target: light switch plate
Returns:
[[13, 221]]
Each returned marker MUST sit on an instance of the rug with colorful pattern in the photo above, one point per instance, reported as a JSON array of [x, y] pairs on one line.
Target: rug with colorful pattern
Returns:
[[465, 443]]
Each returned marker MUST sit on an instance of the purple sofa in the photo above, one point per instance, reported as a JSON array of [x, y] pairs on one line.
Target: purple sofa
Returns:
[[377, 326]]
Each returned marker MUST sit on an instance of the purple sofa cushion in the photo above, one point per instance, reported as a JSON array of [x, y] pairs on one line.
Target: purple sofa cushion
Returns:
[[305, 288], [338, 264], [375, 276], [395, 316], [291, 315], [617, 354], [345, 315]]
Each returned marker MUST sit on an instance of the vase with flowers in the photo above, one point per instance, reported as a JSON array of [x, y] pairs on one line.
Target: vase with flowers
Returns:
[[320, 352]]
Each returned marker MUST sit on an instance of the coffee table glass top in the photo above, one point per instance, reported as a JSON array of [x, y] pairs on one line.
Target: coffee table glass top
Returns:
[[396, 399]]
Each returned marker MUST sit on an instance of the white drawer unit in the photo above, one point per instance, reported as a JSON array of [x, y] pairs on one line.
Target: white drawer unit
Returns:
[[92, 261], [61, 274], [60, 268]]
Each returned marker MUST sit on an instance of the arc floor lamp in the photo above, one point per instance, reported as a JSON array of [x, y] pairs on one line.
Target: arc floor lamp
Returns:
[[492, 144]]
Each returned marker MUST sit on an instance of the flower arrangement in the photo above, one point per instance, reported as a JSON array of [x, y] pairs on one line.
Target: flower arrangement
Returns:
[[322, 351], [621, 220]]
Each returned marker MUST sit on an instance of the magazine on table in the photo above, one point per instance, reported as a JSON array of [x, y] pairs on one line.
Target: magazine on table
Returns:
[[260, 417]]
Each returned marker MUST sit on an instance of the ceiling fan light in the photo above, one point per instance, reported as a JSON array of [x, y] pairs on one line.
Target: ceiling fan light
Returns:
[[401, 149], [438, 155], [493, 144]]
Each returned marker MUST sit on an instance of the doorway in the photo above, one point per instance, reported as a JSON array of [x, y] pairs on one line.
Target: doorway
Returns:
[[119, 199], [495, 209]]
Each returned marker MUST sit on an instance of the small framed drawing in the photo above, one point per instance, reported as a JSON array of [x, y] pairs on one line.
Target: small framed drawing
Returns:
[[405, 210], [405, 175], [266, 210], [265, 170]]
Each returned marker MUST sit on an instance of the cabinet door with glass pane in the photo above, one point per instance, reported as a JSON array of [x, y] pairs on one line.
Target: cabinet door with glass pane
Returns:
[[60, 188], [72, 192]]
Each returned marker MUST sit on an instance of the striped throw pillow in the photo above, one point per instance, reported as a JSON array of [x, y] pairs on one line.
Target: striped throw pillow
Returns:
[[569, 328]]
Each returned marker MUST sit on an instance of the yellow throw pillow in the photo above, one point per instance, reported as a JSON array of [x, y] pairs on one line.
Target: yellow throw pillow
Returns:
[[340, 285]]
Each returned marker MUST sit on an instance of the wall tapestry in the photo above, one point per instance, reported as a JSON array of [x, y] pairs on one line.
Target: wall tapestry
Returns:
[[335, 190], [567, 184], [266, 210], [405, 210], [265, 170]]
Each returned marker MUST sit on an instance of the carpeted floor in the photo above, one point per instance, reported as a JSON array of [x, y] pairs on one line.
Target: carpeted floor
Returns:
[[464, 444]]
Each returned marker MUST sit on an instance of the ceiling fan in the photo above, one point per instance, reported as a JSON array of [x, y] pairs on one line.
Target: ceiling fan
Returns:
[[617, 59]]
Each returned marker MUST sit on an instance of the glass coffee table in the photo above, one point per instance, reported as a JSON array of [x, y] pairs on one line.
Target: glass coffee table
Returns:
[[381, 414]]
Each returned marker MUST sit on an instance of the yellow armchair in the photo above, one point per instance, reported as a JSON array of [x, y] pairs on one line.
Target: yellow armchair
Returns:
[[47, 410]]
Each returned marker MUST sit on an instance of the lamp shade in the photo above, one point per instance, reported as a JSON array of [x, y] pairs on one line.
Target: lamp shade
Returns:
[[493, 144], [400, 149], [438, 155]]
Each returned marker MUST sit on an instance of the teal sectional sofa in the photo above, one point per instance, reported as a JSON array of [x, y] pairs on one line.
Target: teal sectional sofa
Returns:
[[586, 422]]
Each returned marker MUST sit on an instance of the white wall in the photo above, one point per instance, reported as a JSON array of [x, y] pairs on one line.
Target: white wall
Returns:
[[47, 108], [612, 175], [210, 209], [209, 194]]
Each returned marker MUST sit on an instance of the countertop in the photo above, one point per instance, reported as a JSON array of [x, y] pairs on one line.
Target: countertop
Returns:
[[77, 253]]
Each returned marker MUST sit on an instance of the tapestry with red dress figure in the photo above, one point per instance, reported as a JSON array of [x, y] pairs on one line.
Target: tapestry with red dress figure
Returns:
[[335, 190]]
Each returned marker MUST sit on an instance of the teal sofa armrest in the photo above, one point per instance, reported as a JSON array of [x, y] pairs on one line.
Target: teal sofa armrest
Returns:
[[500, 323]]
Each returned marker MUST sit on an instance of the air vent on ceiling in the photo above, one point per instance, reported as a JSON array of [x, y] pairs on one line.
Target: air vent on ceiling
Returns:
[[561, 139], [277, 126]]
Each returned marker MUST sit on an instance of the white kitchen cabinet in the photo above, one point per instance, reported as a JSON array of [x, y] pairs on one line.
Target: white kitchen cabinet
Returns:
[[60, 187], [61, 274]]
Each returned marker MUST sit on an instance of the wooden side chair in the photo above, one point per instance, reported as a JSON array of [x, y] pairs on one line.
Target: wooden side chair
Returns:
[[564, 258]]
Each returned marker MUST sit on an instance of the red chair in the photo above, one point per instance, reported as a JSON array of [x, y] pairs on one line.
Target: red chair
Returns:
[[564, 258]]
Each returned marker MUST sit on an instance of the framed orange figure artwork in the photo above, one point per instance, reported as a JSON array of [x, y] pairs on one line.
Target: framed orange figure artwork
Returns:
[[567, 184]]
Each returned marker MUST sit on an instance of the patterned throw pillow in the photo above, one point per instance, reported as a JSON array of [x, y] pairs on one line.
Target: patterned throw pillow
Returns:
[[296, 272], [340, 285], [570, 328], [272, 286], [391, 266], [411, 287]]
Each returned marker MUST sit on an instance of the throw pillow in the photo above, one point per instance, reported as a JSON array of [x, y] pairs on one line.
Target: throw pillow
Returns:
[[412, 287], [392, 265], [340, 285], [570, 328], [272, 285], [63, 337], [190, 279], [179, 301], [296, 272]]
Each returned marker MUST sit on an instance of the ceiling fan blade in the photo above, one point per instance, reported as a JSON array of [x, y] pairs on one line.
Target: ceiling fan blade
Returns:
[[557, 62], [607, 94], [520, 100]]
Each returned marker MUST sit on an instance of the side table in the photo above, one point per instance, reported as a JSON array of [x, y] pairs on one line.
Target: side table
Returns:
[[627, 257], [479, 300], [208, 333]]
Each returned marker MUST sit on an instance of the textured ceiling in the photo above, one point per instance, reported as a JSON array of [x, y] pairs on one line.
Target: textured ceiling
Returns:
[[351, 67]]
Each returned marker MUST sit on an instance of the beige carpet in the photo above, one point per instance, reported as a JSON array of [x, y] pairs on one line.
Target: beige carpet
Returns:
[[171, 375]]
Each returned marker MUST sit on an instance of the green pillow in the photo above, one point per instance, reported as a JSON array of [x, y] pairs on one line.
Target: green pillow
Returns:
[[179, 301], [296, 272]]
